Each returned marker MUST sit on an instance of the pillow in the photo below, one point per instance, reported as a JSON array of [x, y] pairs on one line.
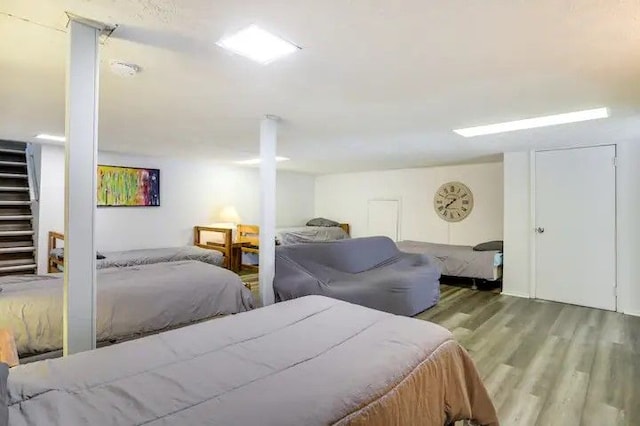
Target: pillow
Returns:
[[59, 254], [4, 398], [489, 246], [320, 221]]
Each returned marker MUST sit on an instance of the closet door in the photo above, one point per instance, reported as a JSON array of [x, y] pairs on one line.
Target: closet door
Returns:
[[575, 215], [384, 216]]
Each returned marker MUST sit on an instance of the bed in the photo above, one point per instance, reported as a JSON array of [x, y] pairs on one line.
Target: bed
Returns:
[[118, 259], [311, 234], [131, 301], [460, 261], [263, 368]]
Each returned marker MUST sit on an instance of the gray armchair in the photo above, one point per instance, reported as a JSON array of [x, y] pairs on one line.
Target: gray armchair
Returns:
[[366, 271]]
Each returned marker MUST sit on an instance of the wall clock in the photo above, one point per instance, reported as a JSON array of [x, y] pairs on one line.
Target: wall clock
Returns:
[[453, 201]]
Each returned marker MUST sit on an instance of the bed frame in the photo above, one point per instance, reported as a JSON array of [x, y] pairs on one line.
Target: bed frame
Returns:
[[56, 265], [225, 247]]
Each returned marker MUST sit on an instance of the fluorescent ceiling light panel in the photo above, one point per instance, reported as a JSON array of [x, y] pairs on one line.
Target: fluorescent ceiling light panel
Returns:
[[257, 44], [51, 137], [532, 123], [257, 161]]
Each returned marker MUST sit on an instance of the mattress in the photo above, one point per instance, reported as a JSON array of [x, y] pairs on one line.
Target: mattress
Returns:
[[459, 261], [148, 256], [130, 301], [309, 234], [360, 366]]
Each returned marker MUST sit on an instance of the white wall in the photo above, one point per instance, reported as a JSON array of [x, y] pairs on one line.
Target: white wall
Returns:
[[519, 229], [344, 197], [192, 193]]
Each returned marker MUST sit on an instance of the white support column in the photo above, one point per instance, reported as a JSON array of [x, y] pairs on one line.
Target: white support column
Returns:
[[80, 188], [268, 144]]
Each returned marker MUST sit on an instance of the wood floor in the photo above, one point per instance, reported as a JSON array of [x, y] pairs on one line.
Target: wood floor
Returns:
[[547, 363]]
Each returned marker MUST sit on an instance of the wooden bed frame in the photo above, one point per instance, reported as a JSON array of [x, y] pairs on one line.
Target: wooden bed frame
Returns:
[[55, 264], [225, 247]]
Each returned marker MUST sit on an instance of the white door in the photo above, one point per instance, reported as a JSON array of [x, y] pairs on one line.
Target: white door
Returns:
[[575, 214], [383, 218]]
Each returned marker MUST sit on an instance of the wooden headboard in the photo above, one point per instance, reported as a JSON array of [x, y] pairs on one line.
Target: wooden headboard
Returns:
[[223, 247], [54, 264]]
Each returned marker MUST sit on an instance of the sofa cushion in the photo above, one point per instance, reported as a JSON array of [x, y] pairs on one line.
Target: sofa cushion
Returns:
[[350, 256]]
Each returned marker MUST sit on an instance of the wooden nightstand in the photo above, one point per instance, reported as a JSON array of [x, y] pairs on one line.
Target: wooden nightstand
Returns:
[[8, 352]]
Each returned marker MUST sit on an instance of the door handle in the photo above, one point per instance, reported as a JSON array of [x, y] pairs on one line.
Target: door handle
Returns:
[[540, 230]]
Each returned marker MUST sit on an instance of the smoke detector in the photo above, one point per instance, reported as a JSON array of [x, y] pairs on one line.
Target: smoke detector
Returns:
[[124, 69]]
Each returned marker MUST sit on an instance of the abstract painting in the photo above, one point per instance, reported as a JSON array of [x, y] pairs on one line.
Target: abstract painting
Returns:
[[128, 187]]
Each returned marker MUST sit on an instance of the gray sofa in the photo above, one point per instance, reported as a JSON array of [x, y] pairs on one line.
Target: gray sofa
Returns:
[[371, 272]]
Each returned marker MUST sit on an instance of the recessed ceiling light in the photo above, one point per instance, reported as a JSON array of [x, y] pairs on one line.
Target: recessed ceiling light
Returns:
[[49, 137], [531, 123], [257, 44], [257, 161]]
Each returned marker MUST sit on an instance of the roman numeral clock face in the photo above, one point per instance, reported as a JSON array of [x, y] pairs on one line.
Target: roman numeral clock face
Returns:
[[453, 201]]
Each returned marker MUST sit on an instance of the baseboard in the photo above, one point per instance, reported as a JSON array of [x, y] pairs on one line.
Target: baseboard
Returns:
[[522, 295], [633, 314]]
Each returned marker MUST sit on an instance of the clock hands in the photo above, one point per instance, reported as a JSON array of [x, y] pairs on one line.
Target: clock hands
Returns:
[[450, 202]]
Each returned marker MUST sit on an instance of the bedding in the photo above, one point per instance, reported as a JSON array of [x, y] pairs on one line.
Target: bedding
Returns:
[[119, 259], [360, 366], [459, 261], [4, 411], [130, 301], [309, 234], [321, 221]]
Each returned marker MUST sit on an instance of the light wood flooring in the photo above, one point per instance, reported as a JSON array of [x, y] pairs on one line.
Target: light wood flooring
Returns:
[[547, 363]]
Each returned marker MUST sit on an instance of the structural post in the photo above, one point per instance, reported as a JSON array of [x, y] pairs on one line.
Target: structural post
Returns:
[[80, 187], [268, 144]]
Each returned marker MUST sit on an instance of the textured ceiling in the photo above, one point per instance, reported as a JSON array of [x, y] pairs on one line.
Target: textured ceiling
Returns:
[[378, 83]]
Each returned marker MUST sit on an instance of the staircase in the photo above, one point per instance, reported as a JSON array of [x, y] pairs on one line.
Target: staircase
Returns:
[[17, 251]]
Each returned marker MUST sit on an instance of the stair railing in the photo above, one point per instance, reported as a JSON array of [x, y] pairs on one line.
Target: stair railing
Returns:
[[34, 185]]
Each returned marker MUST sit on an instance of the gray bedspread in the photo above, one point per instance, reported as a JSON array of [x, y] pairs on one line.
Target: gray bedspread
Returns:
[[312, 361], [458, 261], [130, 301], [148, 256], [309, 234]]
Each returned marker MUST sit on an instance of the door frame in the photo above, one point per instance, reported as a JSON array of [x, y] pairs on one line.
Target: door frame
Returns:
[[532, 219]]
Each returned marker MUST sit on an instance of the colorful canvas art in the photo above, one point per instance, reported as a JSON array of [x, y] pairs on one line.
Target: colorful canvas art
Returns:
[[128, 186]]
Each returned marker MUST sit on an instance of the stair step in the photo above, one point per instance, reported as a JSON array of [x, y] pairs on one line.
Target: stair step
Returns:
[[15, 233], [28, 267], [13, 175], [10, 151], [17, 249], [13, 163], [16, 217], [14, 203], [14, 189]]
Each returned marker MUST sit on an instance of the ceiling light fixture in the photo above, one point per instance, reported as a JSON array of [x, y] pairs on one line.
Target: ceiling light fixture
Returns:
[[532, 123], [49, 137], [258, 45], [257, 161]]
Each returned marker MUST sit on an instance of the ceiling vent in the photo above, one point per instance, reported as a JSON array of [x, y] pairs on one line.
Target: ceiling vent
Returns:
[[124, 69]]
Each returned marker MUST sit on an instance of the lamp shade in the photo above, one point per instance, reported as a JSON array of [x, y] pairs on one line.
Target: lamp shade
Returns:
[[229, 214]]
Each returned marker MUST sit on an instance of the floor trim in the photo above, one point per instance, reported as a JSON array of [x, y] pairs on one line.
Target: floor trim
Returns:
[[523, 295]]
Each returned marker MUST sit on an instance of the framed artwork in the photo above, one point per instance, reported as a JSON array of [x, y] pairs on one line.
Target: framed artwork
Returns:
[[128, 187]]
